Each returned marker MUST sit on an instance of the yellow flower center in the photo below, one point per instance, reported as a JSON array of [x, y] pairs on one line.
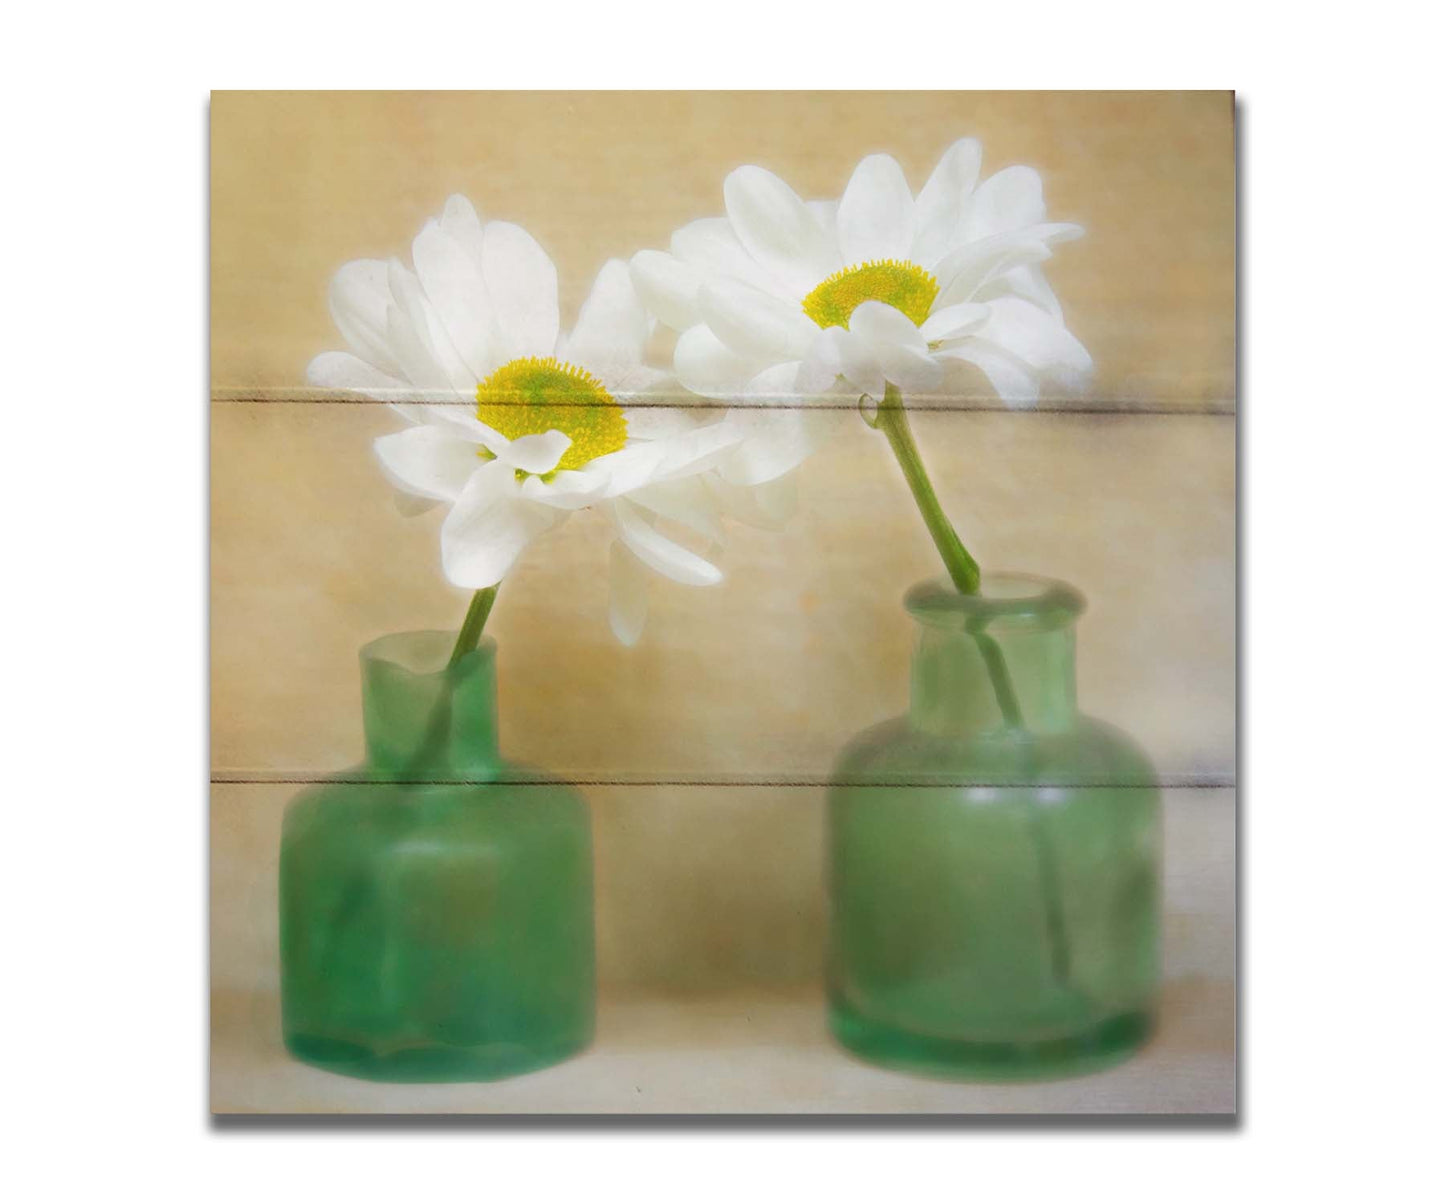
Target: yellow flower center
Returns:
[[532, 396], [905, 286]]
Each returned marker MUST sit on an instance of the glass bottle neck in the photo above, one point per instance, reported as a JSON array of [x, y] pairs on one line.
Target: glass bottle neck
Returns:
[[1001, 659], [423, 719]]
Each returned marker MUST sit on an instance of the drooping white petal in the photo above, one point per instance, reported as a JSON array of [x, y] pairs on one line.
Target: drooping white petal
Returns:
[[754, 324], [658, 552], [489, 527], [452, 280], [627, 594], [692, 452], [910, 368], [1012, 380], [536, 453], [612, 327], [709, 246], [773, 442], [875, 322], [941, 205], [1007, 200], [342, 370], [685, 501], [1038, 339], [358, 300], [777, 229], [569, 489], [954, 321], [462, 423], [428, 461], [667, 287], [875, 216], [707, 366], [822, 364], [768, 505], [522, 283], [858, 362]]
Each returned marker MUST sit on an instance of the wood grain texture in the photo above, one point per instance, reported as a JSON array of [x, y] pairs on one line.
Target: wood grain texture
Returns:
[[804, 644]]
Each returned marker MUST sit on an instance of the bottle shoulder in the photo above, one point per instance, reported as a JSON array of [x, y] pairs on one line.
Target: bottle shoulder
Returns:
[[1092, 752]]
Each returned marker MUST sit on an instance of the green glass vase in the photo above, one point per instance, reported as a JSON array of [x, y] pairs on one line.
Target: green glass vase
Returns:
[[436, 902], [993, 855]]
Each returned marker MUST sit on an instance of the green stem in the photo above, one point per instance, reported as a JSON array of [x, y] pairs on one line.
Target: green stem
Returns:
[[893, 422], [471, 632]]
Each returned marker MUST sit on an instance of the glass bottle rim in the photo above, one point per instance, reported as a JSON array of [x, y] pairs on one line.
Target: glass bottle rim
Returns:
[[1016, 598], [422, 653]]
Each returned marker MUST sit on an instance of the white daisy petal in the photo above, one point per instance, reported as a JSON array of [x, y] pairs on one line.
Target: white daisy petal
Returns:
[[341, 370], [460, 222], [536, 453], [428, 461], [1038, 339], [627, 594], [875, 322], [710, 248], [658, 552], [612, 327], [1027, 282], [522, 283], [452, 280], [825, 213], [707, 366], [462, 423], [777, 229], [1015, 384], [685, 501], [768, 505], [752, 323], [667, 286], [859, 365], [1005, 201], [358, 299], [407, 292], [489, 527], [875, 216], [941, 205], [965, 270], [773, 443], [911, 369], [954, 321], [821, 366]]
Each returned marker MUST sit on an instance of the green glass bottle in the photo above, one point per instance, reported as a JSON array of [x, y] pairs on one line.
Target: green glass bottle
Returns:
[[436, 902], [994, 879]]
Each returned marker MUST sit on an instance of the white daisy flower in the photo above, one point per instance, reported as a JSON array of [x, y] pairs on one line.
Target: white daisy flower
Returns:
[[514, 425], [785, 298]]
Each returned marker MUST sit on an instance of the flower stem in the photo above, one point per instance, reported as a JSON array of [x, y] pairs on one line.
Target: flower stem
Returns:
[[893, 422], [471, 632]]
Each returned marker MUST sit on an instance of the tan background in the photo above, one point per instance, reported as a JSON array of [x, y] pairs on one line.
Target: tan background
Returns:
[[764, 677]]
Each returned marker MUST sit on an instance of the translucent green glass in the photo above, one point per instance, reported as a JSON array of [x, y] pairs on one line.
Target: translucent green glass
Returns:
[[436, 902], [994, 885]]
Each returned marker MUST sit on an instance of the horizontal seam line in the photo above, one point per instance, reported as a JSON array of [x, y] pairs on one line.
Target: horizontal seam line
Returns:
[[787, 783], [1044, 406]]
